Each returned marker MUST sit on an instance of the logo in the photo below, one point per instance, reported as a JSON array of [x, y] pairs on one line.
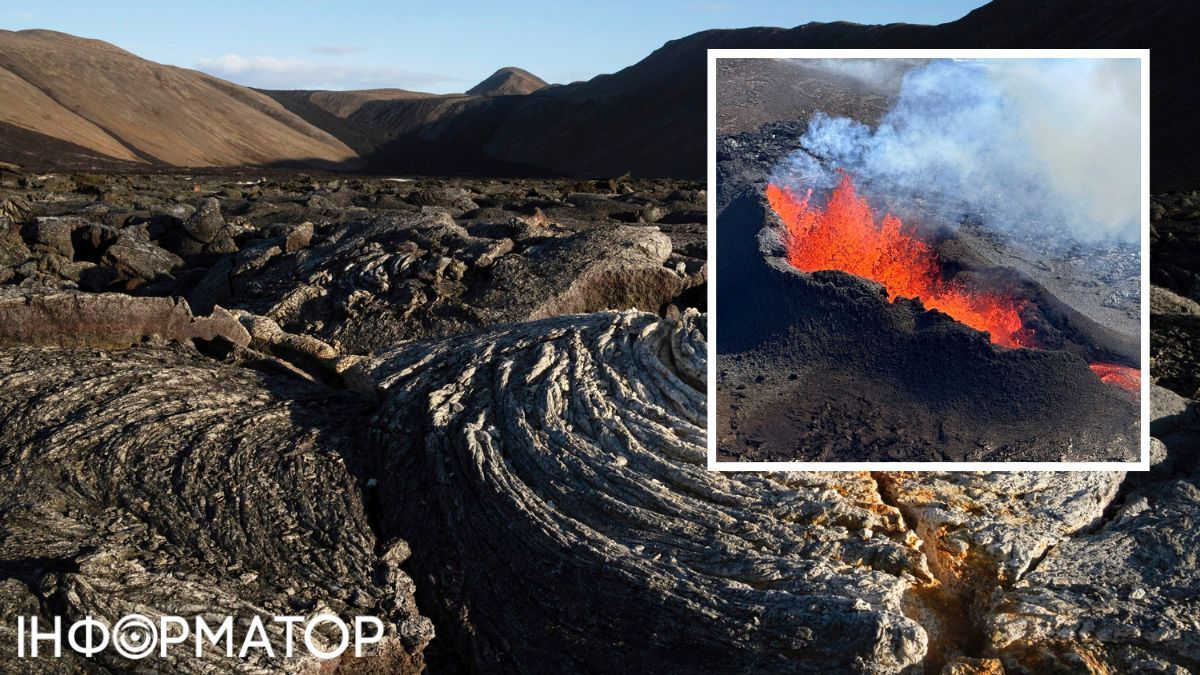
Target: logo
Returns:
[[136, 636]]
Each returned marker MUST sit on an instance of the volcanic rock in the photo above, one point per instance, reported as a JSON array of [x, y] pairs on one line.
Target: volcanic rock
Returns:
[[164, 483], [52, 235], [986, 529], [14, 209], [92, 239], [18, 600], [13, 250], [297, 237], [1174, 361], [969, 666], [1175, 267], [403, 278], [823, 367], [105, 320], [135, 258], [205, 231], [305, 352], [489, 438], [1163, 301], [206, 224], [234, 246], [456, 197], [1122, 599], [548, 476], [1169, 411]]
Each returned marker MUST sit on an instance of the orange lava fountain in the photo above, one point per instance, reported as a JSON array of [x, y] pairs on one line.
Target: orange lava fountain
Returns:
[[844, 236]]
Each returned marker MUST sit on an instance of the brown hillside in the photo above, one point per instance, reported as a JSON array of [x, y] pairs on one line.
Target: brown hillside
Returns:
[[508, 82], [99, 97]]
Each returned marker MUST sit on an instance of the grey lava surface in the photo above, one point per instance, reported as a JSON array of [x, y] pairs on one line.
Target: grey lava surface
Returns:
[[484, 423]]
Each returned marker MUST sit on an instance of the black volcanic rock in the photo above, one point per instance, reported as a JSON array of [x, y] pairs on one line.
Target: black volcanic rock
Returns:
[[205, 231], [366, 263], [1132, 616], [397, 279], [543, 481], [492, 438], [105, 320], [139, 259]]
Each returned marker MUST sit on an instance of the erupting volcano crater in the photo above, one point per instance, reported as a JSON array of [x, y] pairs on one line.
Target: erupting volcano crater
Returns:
[[845, 236], [848, 333], [928, 260]]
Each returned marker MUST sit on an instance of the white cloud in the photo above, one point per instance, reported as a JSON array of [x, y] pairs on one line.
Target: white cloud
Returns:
[[336, 50], [269, 72]]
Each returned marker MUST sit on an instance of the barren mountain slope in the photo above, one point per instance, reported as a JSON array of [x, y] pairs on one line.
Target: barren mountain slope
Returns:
[[103, 98], [648, 119], [29, 107], [345, 103]]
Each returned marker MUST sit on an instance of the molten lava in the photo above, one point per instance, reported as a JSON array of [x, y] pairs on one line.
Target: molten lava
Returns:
[[844, 236], [1129, 379]]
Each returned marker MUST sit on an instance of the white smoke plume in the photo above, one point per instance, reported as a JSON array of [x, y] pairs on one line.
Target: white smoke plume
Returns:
[[1047, 144]]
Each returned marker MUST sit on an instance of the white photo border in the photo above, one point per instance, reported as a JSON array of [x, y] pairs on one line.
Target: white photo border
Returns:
[[1143, 55]]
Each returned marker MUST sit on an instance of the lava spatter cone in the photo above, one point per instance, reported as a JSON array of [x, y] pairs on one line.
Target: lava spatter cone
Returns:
[[845, 236], [891, 342]]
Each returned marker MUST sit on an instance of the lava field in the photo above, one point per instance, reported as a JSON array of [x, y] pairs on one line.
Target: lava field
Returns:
[[225, 390], [197, 408]]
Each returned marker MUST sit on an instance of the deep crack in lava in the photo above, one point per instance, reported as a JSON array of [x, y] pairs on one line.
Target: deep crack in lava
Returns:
[[942, 608]]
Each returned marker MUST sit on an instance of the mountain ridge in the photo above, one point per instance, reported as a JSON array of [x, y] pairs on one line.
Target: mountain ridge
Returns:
[[648, 119]]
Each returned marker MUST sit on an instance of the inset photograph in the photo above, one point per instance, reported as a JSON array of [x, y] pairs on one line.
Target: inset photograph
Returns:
[[929, 258]]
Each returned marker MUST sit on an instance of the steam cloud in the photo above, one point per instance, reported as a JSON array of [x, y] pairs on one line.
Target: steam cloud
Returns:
[[1048, 144]]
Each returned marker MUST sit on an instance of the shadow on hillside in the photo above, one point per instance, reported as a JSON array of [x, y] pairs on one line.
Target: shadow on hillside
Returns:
[[418, 157]]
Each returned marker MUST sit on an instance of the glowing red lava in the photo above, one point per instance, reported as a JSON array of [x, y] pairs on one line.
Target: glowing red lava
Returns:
[[845, 236], [1129, 379]]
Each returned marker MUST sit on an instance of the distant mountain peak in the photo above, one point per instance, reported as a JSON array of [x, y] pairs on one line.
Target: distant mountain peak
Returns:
[[507, 82]]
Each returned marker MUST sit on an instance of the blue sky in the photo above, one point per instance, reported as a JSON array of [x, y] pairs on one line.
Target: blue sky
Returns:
[[440, 47]]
